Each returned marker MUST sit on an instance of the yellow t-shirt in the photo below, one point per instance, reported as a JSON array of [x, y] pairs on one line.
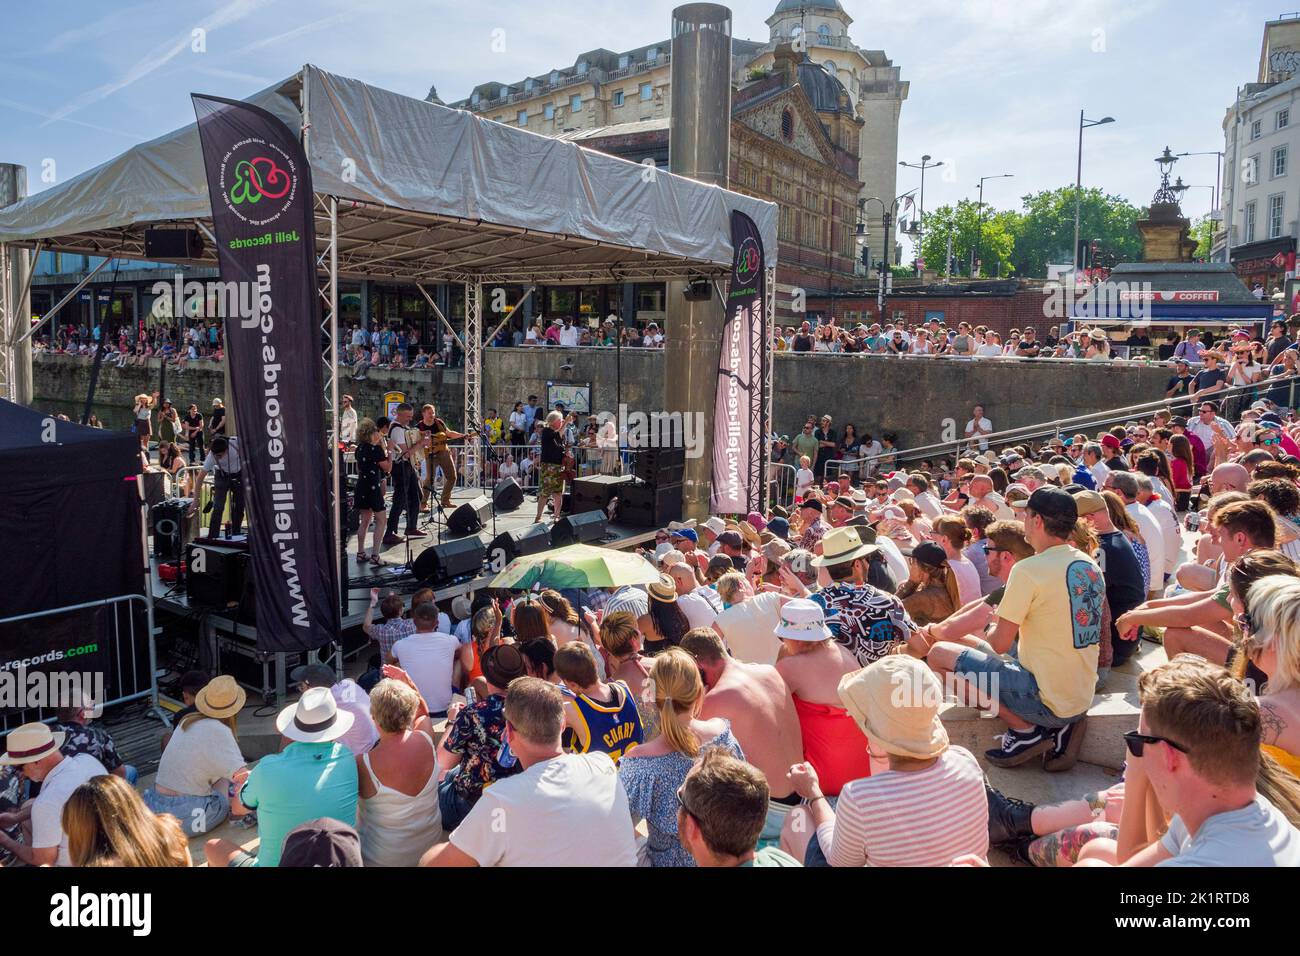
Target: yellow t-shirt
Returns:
[[1055, 598]]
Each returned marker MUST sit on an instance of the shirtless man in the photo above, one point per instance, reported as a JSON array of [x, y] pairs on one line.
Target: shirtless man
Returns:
[[757, 702]]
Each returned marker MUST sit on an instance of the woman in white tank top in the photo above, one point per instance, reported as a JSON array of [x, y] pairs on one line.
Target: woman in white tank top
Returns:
[[396, 824]]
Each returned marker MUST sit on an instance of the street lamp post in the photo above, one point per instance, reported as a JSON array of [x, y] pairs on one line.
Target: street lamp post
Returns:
[[1218, 171], [922, 166], [979, 240], [1078, 185], [887, 215]]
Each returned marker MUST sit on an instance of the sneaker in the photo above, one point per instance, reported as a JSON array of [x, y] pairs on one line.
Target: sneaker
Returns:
[[1068, 741], [391, 541], [1009, 818], [1016, 747]]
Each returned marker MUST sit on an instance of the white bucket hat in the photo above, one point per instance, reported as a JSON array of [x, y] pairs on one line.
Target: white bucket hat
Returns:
[[315, 719], [803, 620]]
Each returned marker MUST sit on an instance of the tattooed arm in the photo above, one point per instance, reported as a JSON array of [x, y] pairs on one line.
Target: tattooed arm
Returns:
[[1272, 725]]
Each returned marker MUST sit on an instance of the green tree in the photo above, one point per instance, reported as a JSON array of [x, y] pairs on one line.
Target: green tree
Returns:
[[1045, 231], [1203, 233], [992, 240]]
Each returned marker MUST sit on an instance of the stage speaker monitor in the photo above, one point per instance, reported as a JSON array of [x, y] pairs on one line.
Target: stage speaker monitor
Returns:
[[471, 517], [164, 244], [171, 528], [509, 545], [507, 495], [443, 563], [698, 290], [214, 576], [585, 528]]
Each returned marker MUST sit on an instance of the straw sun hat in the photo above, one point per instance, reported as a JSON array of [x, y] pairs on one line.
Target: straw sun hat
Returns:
[[221, 697], [896, 701]]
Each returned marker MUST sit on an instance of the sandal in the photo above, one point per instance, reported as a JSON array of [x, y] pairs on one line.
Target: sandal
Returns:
[[362, 558], [377, 561]]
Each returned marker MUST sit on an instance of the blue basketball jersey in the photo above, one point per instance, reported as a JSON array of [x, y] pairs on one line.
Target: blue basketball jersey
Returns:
[[613, 728]]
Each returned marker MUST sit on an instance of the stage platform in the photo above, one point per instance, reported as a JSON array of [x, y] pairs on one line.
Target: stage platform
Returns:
[[222, 630]]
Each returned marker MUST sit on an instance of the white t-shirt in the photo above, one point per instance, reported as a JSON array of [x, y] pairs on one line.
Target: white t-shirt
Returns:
[[974, 430], [47, 809], [1153, 537], [197, 756], [699, 610], [749, 628], [894, 558], [569, 335], [986, 350], [968, 580], [1163, 512], [428, 657], [1256, 835], [570, 810], [928, 504], [362, 735], [1100, 472], [803, 480]]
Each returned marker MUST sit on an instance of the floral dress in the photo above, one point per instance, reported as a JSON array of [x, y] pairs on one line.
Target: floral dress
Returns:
[[652, 784]]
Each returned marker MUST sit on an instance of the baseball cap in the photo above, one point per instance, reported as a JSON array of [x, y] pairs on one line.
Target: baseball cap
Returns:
[[927, 553], [1051, 502], [314, 675], [731, 539], [716, 525], [1110, 441], [687, 533], [1089, 502], [325, 842]]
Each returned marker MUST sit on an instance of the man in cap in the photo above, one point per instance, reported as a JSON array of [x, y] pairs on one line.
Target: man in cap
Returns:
[[314, 776], [867, 621], [762, 713], [322, 843], [814, 528], [708, 534], [732, 545], [841, 510], [36, 749], [1052, 611]]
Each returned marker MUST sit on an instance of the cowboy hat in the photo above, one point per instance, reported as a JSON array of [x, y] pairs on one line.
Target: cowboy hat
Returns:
[[221, 697], [30, 743], [315, 719], [840, 545]]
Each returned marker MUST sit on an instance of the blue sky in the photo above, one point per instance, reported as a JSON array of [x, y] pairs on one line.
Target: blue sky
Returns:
[[996, 87]]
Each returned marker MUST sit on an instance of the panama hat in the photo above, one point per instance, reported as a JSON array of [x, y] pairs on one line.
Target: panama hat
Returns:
[[221, 697], [315, 719], [840, 545], [664, 589], [896, 700], [30, 743], [803, 619]]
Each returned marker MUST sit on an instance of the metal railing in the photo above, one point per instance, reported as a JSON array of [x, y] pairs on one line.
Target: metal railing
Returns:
[[132, 659], [1244, 394]]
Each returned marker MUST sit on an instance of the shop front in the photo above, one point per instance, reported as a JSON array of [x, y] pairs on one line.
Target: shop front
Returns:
[[1265, 263]]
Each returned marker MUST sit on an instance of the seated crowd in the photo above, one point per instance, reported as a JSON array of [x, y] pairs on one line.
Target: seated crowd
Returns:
[[773, 697]]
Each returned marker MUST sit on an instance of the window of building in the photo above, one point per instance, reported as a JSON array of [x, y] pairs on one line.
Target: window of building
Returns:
[[624, 61], [647, 92], [618, 97], [1250, 173], [1283, 119], [575, 103], [555, 76], [824, 31], [787, 125], [503, 92], [1279, 161], [549, 111], [796, 31], [1255, 129], [1249, 225], [1276, 207], [830, 67], [529, 85], [582, 67], [474, 98], [522, 118], [652, 54]]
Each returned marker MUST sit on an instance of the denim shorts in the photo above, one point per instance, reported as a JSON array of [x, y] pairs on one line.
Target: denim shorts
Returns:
[[1016, 686], [196, 814]]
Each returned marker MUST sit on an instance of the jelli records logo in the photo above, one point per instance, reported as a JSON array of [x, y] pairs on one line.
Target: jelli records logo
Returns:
[[258, 181]]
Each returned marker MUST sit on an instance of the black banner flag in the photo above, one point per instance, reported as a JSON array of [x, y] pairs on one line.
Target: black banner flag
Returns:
[[260, 187]]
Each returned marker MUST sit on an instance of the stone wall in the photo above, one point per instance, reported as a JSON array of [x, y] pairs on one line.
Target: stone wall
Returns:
[[912, 397]]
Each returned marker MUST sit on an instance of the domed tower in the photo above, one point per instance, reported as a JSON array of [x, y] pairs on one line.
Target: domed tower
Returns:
[[875, 86]]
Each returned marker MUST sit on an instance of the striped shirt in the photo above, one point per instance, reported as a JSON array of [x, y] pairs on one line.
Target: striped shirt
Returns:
[[925, 818]]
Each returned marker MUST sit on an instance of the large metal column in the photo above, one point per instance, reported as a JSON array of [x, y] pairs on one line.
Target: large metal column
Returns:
[[769, 359], [16, 267], [699, 146], [473, 375], [327, 271]]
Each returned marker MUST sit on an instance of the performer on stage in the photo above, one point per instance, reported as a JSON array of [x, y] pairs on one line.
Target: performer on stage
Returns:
[[553, 465], [434, 436], [227, 468], [403, 444]]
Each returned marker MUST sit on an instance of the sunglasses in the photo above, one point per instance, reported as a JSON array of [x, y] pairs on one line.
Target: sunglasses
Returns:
[[681, 800], [1136, 742], [988, 550]]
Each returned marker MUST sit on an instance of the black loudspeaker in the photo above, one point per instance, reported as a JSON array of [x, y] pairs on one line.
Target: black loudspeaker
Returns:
[[155, 487], [591, 494], [582, 528], [471, 517], [698, 290], [173, 244], [646, 505], [171, 528], [509, 545], [660, 466], [443, 563], [214, 575], [507, 495]]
